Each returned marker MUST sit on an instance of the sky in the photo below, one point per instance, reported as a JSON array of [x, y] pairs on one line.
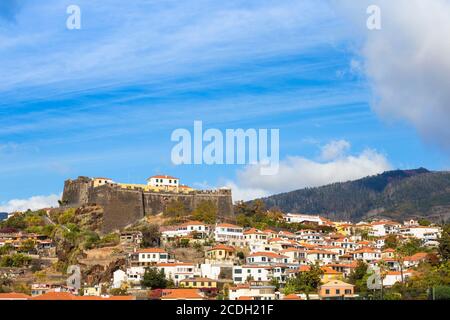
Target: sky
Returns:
[[103, 100]]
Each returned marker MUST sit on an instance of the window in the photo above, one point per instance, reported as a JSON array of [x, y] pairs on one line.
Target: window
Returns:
[[239, 271], [348, 291], [338, 291], [327, 291]]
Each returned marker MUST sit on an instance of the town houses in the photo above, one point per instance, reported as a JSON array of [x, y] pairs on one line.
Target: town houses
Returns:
[[249, 261], [199, 260]]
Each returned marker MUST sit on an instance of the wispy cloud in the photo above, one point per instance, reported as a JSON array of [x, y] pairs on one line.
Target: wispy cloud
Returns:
[[299, 172], [32, 203]]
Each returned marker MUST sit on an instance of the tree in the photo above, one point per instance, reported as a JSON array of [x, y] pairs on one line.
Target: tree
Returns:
[[391, 242], [154, 279], [359, 276], [306, 282], [206, 211], [176, 209], [444, 243], [412, 246], [424, 222]]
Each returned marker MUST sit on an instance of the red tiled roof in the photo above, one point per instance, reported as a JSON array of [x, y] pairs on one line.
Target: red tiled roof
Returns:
[[54, 296], [163, 177], [181, 294], [229, 225], [151, 250], [267, 254], [292, 297], [13, 296], [222, 247]]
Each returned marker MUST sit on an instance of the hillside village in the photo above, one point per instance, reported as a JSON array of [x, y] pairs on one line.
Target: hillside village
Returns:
[[264, 254]]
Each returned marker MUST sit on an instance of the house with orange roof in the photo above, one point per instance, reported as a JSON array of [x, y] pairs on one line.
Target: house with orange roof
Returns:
[[388, 253], [344, 268], [415, 259], [182, 294], [148, 257], [368, 255], [336, 289], [283, 234], [330, 274], [198, 283], [220, 254], [255, 237], [292, 296], [70, 296], [229, 234]]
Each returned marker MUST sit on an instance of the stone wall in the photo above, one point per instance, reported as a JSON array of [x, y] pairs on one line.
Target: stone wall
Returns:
[[123, 207]]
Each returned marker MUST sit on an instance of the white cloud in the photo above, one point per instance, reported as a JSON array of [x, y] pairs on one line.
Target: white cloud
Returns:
[[407, 62], [299, 172], [334, 149], [33, 203]]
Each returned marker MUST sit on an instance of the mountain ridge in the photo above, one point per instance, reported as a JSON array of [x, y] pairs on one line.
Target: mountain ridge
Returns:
[[397, 194]]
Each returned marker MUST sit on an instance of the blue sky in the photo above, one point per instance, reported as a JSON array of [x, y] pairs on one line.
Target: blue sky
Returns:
[[104, 100]]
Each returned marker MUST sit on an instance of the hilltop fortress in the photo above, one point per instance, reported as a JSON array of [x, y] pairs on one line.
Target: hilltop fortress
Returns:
[[125, 204]]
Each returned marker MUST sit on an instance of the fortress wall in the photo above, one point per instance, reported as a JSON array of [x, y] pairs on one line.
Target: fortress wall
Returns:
[[155, 203], [121, 207], [76, 192]]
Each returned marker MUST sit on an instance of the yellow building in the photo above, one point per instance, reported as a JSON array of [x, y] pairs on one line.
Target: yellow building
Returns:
[[221, 253], [198, 283], [330, 274]]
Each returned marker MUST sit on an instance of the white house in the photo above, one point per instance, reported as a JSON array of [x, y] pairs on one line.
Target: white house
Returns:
[[252, 291], [163, 181], [253, 272], [148, 256], [119, 277], [321, 256], [392, 277], [422, 233], [367, 254], [266, 258], [179, 270], [211, 271], [230, 234], [304, 218], [186, 229], [255, 237]]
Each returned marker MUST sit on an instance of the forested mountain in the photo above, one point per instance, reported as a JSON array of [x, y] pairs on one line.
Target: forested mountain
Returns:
[[398, 195]]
